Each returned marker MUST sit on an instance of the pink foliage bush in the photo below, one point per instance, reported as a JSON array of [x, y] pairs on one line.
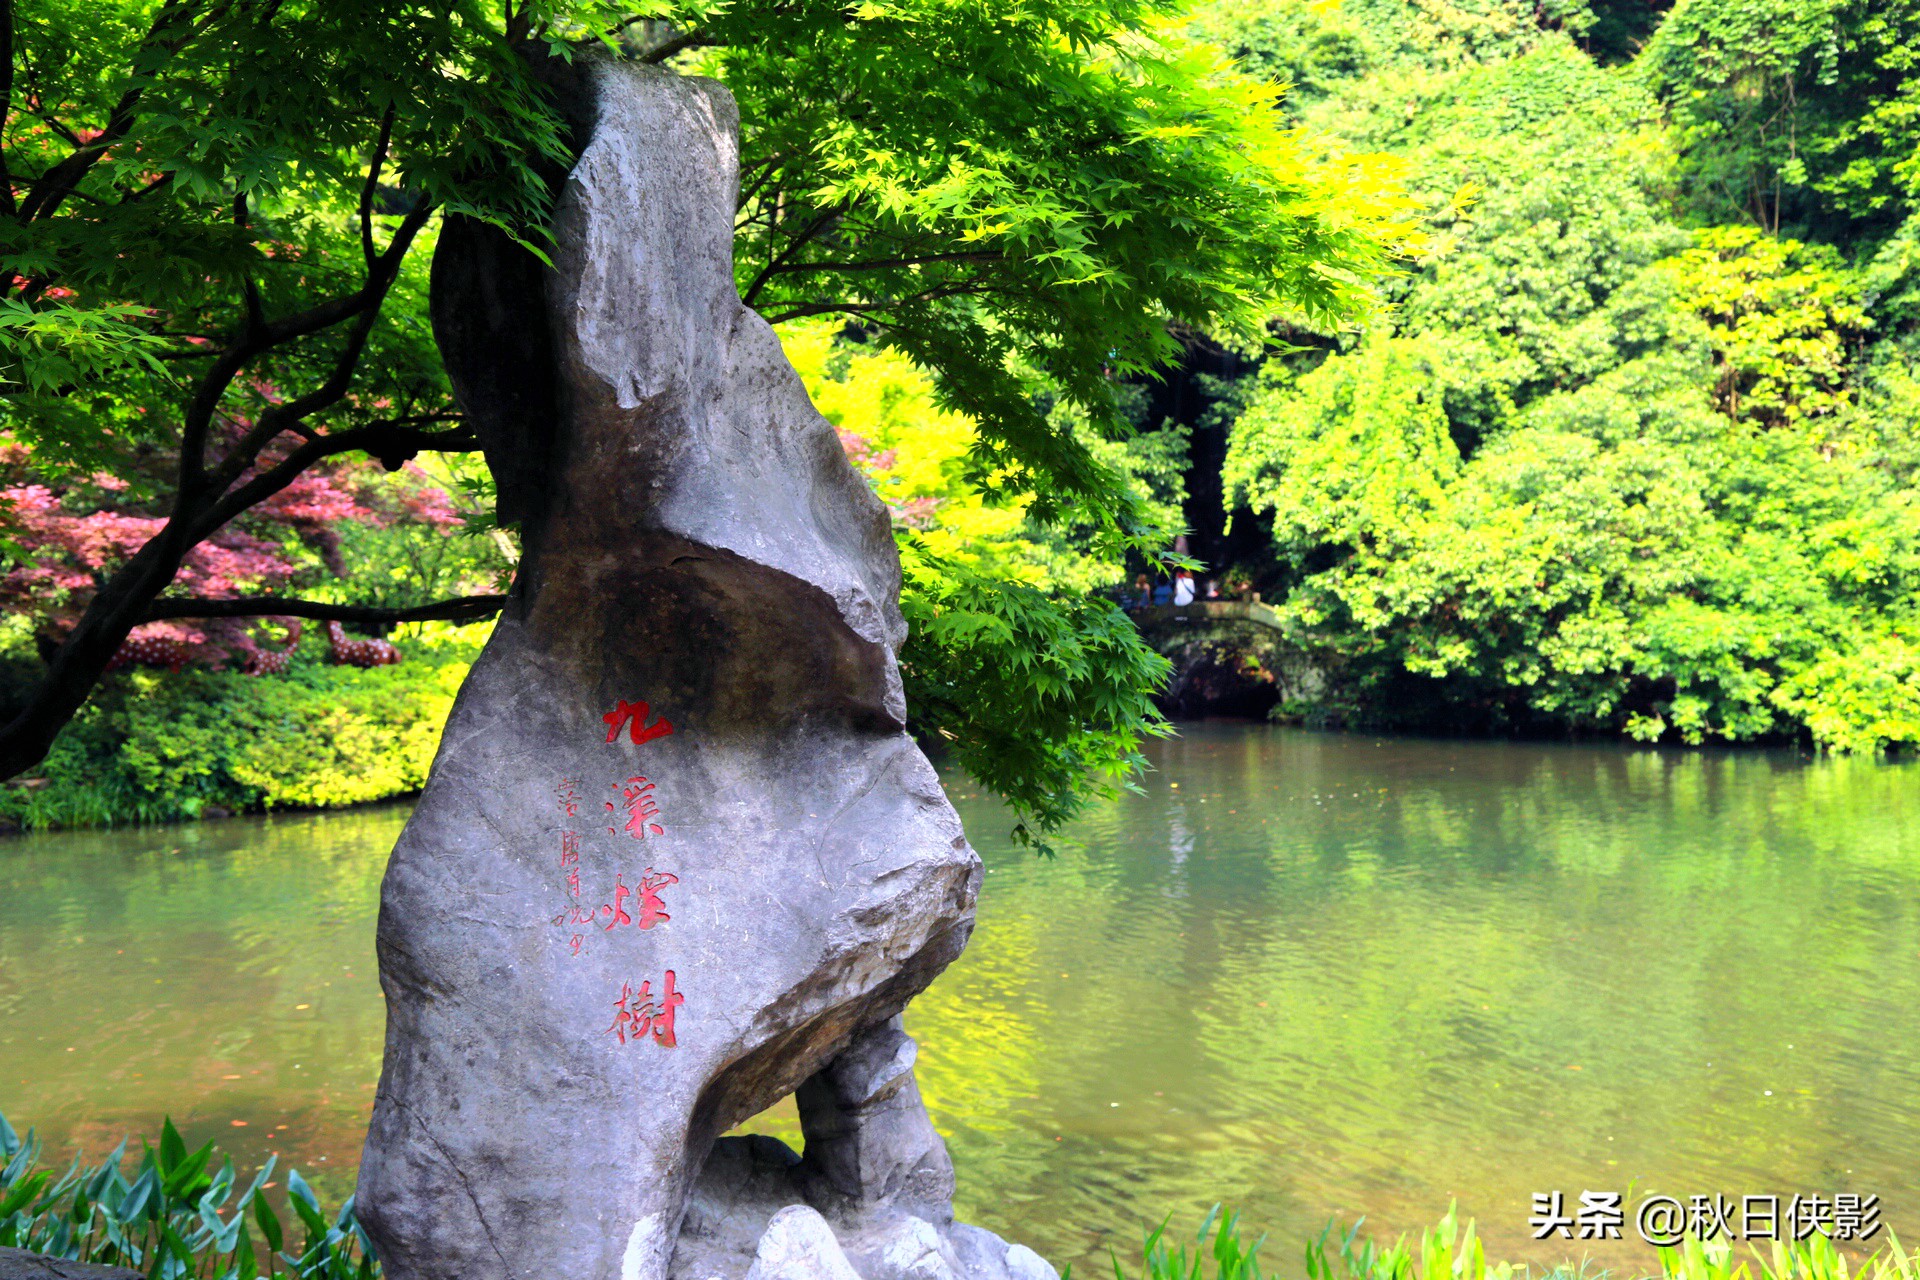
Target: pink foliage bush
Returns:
[[62, 537]]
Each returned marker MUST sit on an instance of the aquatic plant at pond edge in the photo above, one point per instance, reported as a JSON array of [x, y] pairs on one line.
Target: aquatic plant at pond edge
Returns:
[[167, 1219], [1449, 1251], [1811, 1259]]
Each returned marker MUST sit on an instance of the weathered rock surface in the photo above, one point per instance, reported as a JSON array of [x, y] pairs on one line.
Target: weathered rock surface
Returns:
[[18, 1264], [875, 1176], [677, 857], [799, 1245]]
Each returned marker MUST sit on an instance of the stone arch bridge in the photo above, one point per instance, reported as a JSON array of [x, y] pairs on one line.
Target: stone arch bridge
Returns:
[[1230, 658]]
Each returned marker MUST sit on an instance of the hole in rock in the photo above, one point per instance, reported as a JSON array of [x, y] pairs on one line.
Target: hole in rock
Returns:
[[781, 1120]]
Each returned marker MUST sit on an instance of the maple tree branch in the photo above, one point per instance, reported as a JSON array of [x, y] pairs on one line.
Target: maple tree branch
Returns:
[[7, 204], [458, 609], [249, 288], [695, 39], [883, 264], [129, 594], [59, 126], [891, 304], [57, 183], [763, 173], [392, 443], [794, 246], [372, 185], [364, 304]]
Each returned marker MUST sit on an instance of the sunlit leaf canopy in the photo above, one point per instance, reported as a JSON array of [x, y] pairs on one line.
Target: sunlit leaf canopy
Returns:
[[217, 216], [1065, 182], [968, 180]]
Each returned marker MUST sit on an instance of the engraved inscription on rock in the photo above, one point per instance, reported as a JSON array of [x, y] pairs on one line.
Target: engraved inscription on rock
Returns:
[[678, 857]]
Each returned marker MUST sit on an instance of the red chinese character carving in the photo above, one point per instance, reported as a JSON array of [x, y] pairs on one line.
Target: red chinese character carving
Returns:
[[569, 848], [575, 915], [569, 798], [636, 1016], [652, 910], [634, 715], [636, 796], [617, 908]]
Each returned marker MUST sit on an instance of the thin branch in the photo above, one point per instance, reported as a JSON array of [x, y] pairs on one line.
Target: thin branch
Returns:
[[891, 304], [389, 442], [365, 303], [198, 420], [462, 609], [249, 289], [373, 182], [828, 309], [54, 123], [6, 100], [882, 264], [383, 271], [56, 183], [695, 39], [793, 246], [766, 171], [149, 189], [327, 314]]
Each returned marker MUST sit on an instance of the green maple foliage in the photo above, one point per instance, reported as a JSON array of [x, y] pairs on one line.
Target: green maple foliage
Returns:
[[215, 217]]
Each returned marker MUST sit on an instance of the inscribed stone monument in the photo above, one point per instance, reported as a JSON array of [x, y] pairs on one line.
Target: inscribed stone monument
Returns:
[[678, 856]]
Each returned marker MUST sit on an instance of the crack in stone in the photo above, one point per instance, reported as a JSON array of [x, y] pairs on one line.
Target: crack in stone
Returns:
[[465, 1186]]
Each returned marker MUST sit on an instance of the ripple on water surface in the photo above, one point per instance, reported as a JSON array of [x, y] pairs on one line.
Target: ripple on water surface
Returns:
[[1303, 974]]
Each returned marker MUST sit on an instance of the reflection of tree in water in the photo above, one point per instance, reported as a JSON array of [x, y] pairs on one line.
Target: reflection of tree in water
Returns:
[[1363, 989], [239, 955], [1402, 971]]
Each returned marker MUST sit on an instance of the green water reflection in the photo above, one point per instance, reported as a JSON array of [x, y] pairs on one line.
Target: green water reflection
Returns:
[[1305, 974]]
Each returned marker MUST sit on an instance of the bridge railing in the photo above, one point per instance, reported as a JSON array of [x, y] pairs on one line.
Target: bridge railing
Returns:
[[1207, 611]]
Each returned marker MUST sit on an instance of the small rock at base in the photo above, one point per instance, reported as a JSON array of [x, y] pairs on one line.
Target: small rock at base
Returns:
[[913, 1252], [1024, 1264], [18, 1264], [799, 1245], [982, 1255]]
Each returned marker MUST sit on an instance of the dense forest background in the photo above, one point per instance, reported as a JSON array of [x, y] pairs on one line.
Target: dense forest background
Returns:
[[1635, 450], [1631, 449]]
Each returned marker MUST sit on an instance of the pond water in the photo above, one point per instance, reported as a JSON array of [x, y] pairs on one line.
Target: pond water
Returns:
[[1306, 975]]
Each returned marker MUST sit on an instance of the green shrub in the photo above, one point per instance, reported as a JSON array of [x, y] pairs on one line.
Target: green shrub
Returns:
[[172, 1218], [158, 746]]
